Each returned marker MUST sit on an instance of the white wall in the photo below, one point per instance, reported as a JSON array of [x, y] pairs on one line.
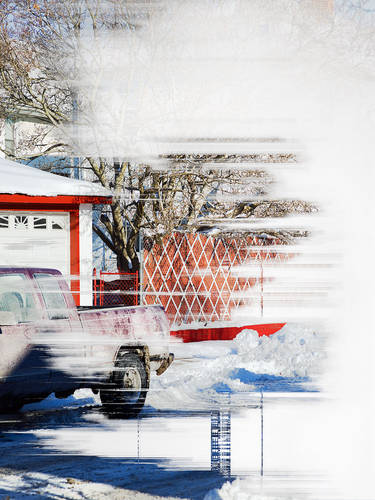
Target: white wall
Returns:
[[85, 253]]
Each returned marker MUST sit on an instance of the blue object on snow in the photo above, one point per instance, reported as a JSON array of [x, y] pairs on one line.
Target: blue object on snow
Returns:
[[221, 387], [270, 383]]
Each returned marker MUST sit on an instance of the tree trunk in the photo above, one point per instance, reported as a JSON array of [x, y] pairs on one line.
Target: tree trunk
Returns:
[[123, 264]]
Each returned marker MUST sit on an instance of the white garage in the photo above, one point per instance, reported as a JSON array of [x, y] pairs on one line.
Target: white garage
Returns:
[[46, 221]]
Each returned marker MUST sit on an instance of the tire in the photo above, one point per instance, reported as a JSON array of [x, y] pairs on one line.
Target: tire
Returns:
[[126, 395]]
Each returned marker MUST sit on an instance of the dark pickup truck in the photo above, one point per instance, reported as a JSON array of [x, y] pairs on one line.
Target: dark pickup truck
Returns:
[[49, 345]]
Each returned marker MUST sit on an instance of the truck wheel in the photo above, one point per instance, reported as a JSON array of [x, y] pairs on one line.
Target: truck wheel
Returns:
[[129, 384]]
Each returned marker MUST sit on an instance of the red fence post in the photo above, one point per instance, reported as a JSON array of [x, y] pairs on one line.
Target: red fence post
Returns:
[[94, 285], [136, 288], [101, 288]]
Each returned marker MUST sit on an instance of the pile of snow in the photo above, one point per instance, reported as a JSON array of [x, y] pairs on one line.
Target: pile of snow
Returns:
[[33, 485], [241, 489], [82, 397], [287, 361], [291, 352]]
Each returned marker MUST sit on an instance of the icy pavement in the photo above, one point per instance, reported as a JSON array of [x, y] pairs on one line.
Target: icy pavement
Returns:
[[36, 485], [78, 453], [223, 410]]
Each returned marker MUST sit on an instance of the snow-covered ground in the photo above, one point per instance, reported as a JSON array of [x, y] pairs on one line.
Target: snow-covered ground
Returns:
[[288, 361], [69, 449]]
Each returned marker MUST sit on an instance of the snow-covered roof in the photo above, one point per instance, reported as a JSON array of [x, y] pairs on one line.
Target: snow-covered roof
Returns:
[[16, 178]]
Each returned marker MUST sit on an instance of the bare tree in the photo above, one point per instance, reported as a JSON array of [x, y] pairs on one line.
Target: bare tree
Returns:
[[39, 43]]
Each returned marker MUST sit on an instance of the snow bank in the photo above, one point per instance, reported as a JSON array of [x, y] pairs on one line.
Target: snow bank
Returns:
[[81, 397], [33, 485], [291, 352], [285, 362], [241, 489]]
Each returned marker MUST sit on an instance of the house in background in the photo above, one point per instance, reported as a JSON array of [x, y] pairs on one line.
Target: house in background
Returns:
[[46, 221]]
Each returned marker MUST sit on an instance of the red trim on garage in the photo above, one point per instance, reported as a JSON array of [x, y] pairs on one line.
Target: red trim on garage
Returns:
[[53, 200], [36, 207], [225, 333]]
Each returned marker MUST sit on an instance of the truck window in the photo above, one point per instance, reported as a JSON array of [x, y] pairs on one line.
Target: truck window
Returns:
[[52, 295], [16, 296]]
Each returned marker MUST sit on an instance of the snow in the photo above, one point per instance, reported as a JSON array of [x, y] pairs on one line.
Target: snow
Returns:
[[241, 489], [30, 486], [290, 360], [81, 398], [22, 179]]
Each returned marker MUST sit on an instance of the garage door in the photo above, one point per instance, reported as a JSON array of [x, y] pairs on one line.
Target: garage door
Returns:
[[35, 239]]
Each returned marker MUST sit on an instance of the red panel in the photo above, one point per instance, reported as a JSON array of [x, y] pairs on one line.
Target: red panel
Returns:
[[13, 199], [225, 333]]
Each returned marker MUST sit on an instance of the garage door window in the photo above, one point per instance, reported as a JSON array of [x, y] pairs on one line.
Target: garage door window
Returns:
[[31, 222], [4, 222], [52, 295], [40, 222]]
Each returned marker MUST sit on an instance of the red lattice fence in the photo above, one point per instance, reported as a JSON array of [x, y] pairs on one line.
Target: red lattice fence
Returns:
[[195, 277]]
